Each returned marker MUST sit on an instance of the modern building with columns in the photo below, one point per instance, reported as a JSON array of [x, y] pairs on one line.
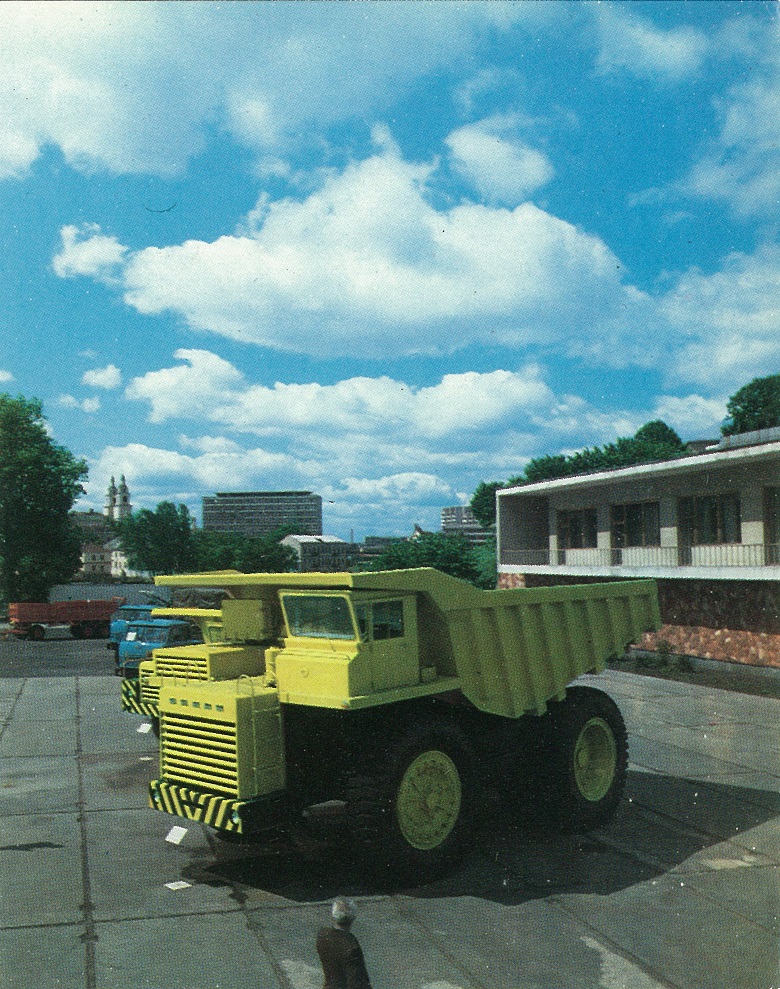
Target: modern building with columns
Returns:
[[707, 527]]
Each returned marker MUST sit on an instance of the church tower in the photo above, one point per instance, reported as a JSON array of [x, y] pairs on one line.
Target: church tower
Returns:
[[111, 494], [118, 501], [122, 508]]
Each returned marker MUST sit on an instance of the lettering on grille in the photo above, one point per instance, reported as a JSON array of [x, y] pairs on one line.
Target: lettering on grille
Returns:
[[191, 667], [200, 753]]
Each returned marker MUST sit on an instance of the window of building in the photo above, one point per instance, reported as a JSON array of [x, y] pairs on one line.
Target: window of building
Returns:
[[636, 525], [707, 520], [577, 529]]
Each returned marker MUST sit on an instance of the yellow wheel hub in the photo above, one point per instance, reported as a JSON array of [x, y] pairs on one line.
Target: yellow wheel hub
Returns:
[[595, 759], [428, 800]]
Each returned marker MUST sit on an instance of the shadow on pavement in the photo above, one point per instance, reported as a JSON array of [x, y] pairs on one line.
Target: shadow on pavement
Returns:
[[662, 822]]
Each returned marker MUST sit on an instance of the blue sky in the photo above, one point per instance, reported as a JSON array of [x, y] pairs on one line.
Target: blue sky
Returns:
[[382, 251]]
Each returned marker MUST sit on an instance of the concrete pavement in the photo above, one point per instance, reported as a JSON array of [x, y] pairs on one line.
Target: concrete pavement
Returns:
[[681, 890]]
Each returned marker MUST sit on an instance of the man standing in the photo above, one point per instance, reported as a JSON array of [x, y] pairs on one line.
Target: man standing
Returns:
[[339, 951]]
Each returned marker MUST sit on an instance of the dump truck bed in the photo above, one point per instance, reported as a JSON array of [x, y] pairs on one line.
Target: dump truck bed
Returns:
[[508, 651]]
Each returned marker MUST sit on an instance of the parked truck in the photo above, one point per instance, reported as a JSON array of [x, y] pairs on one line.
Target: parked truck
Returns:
[[159, 629], [396, 697], [86, 619]]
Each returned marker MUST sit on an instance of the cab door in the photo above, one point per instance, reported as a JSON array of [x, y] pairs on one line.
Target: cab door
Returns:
[[389, 633]]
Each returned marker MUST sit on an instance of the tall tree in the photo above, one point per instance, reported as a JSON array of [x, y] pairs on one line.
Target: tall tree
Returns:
[[755, 406], [39, 482], [452, 554], [483, 503], [159, 541]]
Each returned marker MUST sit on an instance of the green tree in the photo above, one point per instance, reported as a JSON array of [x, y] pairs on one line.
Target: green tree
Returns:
[[652, 442], [755, 406], [452, 554], [247, 554], [39, 482], [483, 503], [159, 541]]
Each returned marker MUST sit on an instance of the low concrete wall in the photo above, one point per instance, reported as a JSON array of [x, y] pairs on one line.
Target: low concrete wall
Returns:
[[735, 621]]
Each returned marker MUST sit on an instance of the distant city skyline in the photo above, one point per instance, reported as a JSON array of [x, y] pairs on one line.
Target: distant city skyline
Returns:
[[382, 251]]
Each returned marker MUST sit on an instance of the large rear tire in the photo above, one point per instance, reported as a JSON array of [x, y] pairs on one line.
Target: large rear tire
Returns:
[[411, 813], [588, 758]]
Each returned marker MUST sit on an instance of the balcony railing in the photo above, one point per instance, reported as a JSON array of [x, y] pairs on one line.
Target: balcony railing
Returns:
[[649, 557]]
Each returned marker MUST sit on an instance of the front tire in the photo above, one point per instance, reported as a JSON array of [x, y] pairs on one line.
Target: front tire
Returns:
[[411, 814], [588, 759]]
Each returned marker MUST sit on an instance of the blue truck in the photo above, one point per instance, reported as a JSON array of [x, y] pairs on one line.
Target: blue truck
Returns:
[[121, 619], [141, 639]]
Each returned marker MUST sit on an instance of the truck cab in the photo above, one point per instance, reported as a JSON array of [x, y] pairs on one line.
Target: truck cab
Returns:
[[121, 620], [145, 635]]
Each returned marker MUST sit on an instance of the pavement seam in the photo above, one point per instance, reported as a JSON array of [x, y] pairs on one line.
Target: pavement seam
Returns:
[[743, 769], [399, 906], [682, 827], [615, 948], [7, 722], [254, 928], [718, 901], [87, 907]]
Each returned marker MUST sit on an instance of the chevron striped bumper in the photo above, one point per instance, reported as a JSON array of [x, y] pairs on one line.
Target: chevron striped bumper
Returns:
[[223, 813], [131, 699]]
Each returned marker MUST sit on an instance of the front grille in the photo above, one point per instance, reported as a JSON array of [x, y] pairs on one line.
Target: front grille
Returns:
[[200, 753], [191, 667], [150, 694]]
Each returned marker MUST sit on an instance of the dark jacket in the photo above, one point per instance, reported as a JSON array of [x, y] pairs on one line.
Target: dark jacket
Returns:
[[342, 960]]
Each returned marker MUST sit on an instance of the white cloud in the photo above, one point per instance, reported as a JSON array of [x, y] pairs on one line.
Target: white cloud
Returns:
[[499, 165], [87, 251], [6, 376], [196, 388], [377, 448], [88, 405], [132, 87], [366, 264], [633, 44], [692, 416], [742, 165], [103, 377], [215, 470], [727, 322], [206, 387]]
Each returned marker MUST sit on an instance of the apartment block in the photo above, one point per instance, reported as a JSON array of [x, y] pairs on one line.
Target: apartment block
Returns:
[[259, 513], [707, 527]]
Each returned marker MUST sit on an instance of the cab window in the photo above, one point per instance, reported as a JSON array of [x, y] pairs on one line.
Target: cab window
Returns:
[[388, 619], [316, 616], [380, 620]]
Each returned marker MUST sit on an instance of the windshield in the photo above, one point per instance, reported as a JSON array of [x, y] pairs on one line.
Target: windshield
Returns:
[[315, 616], [146, 633]]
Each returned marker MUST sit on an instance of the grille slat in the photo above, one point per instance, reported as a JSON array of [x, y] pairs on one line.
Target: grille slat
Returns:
[[192, 668], [201, 733], [150, 694], [200, 752]]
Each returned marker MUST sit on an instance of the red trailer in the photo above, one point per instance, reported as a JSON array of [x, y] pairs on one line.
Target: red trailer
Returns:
[[87, 619]]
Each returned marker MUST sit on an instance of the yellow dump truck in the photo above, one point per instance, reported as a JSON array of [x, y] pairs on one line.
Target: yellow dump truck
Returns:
[[395, 697]]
